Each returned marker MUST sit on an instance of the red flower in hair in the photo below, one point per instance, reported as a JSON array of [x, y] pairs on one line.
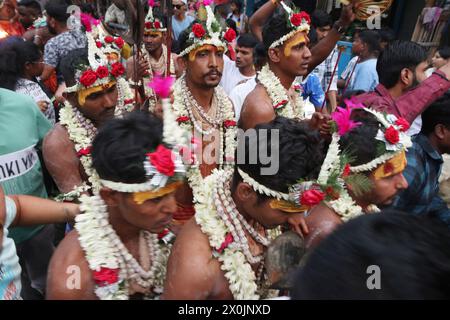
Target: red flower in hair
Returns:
[[403, 124], [157, 25], [128, 101], [88, 78], [305, 15], [346, 172], [311, 197], [84, 152], [296, 19], [109, 39], [228, 240], [230, 35], [106, 276], [162, 160], [119, 42], [392, 135], [229, 123], [182, 119], [149, 25], [198, 30], [98, 44], [117, 69], [102, 72]]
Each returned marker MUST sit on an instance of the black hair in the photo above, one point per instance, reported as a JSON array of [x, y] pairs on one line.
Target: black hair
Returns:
[[247, 40], [232, 24], [300, 154], [72, 61], [313, 38], [183, 39], [57, 9], [119, 148], [371, 39], [437, 113], [275, 28], [320, 19], [411, 253], [238, 4], [386, 35], [13, 57], [444, 52], [30, 4], [397, 56], [259, 55]]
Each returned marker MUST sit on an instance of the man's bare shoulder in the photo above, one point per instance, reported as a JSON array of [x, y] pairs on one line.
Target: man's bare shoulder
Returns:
[[69, 275], [322, 221], [58, 138], [257, 108]]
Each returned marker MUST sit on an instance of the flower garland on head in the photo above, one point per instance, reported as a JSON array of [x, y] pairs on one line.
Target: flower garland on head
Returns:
[[151, 23], [227, 128], [82, 131], [219, 219], [279, 95], [296, 20]]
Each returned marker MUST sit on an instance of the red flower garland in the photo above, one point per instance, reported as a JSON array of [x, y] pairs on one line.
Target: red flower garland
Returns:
[[182, 119], [198, 30], [228, 240], [392, 136], [84, 152], [403, 124], [117, 69], [230, 35], [311, 197], [106, 276], [88, 78], [229, 123], [162, 159], [102, 72], [281, 104]]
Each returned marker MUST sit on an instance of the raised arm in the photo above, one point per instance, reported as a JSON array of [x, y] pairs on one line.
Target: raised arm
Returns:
[[259, 18]]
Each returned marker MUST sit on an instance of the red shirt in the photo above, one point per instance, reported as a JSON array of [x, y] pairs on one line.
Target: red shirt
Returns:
[[411, 104]]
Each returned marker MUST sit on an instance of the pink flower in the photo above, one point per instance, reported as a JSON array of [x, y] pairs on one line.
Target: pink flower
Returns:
[[87, 21], [228, 240], [353, 103], [343, 122], [151, 3], [207, 2], [162, 85]]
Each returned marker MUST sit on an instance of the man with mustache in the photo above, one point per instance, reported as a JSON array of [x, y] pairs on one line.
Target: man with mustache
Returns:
[[202, 107]]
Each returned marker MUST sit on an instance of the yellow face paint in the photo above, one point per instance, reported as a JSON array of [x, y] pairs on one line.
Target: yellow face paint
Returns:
[[286, 206], [391, 167], [141, 197], [84, 93], [208, 47], [297, 39]]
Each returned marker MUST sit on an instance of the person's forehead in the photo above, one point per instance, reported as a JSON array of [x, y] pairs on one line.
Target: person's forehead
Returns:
[[244, 49]]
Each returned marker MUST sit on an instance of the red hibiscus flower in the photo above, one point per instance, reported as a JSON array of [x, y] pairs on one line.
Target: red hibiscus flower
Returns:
[[182, 119], [102, 72], [230, 35], [128, 101], [98, 44], [162, 159], [157, 25], [119, 42], [228, 240], [229, 123], [305, 15], [296, 19], [346, 171], [198, 30], [281, 104], [392, 135], [88, 78], [149, 25], [311, 198], [84, 152], [106, 276], [109, 39], [117, 69], [403, 124]]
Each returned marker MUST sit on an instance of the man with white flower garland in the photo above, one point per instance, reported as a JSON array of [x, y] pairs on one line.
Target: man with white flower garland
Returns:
[[362, 170], [285, 37], [202, 107], [219, 254], [96, 92], [116, 246]]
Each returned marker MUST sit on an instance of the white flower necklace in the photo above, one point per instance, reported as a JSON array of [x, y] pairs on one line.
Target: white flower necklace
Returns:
[[82, 131], [104, 250], [217, 225], [279, 96], [187, 121]]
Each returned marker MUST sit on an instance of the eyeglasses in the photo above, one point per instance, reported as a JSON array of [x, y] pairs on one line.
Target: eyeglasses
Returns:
[[178, 6]]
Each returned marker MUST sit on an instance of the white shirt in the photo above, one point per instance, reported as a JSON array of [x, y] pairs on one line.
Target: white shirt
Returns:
[[239, 93], [231, 75]]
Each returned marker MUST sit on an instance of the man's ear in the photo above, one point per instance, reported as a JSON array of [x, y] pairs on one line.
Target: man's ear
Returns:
[[406, 77], [274, 54], [71, 97], [245, 193], [181, 61], [110, 197], [440, 131]]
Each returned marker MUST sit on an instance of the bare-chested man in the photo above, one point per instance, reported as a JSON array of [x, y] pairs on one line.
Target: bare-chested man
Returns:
[[96, 92], [115, 244], [219, 253]]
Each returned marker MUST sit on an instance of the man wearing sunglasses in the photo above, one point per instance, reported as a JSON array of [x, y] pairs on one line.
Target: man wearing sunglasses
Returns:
[[180, 21]]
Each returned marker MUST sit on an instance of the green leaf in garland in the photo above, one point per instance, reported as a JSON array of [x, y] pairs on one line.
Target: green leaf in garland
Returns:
[[359, 184]]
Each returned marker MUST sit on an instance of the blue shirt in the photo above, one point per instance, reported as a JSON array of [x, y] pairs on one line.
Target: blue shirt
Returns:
[[422, 173], [365, 77], [312, 89], [179, 26]]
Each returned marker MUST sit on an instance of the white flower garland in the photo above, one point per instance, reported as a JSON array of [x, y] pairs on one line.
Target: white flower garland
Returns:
[[278, 93], [83, 138], [180, 106], [239, 273], [262, 189], [100, 252]]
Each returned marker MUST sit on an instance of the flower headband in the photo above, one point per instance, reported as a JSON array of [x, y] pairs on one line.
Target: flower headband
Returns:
[[208, 32], [152, 23], [296, 20]]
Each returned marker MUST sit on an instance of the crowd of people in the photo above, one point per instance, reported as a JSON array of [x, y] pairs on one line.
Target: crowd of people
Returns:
[[167, 164]]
